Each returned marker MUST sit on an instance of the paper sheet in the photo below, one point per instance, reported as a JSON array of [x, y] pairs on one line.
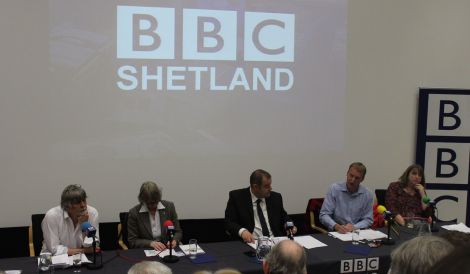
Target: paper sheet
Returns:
[[308, 242], [65, 260], [185, 249], [161, 254], [364, 234], [305, 241], [457, 227]]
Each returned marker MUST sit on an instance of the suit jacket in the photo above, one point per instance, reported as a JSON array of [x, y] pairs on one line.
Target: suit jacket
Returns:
[[139, 230], [239, 212]]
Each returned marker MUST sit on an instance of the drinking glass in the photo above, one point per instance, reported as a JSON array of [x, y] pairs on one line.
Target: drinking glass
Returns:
[[45, 261], [263, 247], [424, 229], [355, 236], [77, 261], [192, 248]]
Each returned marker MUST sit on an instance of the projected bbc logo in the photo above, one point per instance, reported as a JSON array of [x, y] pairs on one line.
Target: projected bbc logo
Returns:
[[149, 33]]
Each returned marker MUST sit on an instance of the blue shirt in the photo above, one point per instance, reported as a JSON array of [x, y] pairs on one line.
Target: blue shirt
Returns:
[[342, 207]]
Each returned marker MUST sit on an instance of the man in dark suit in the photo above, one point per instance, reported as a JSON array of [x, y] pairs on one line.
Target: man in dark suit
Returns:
[[256, 211]]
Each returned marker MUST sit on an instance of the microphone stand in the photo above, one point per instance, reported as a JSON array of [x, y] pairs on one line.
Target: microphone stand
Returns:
[[171, 258], [434, 228], [389, 240], [290, 235], [95, 265]]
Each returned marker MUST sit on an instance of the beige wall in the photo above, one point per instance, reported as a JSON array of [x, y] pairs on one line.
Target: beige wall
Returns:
[[395, 47]]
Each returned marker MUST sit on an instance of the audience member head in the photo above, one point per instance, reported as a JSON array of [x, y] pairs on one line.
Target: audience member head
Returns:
[[149, 267], [355, 175], [227, 271], [456, 262], [72, 195], [287, 257], [150, 195], [456, 238], [260, 183], [413, 169], [418, 255]]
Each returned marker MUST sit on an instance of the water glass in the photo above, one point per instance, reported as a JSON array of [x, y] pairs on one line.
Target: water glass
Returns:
[[424, 229], [77, 262], [263, 247], [192, 248], [355, 236], [45, 261]]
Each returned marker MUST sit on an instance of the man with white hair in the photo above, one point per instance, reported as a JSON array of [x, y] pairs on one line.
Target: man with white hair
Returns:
[[287, 257], [149, 267]]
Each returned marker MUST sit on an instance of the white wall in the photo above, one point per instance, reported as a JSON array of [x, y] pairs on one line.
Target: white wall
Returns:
[[393, 48]]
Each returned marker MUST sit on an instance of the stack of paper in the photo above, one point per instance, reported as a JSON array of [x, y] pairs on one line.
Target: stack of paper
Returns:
[[161, 254], [305, 241], [185, 249], [66, 261]]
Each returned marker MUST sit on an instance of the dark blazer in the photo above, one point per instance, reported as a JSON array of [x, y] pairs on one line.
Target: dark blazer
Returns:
[[139, 230], [239, 213]]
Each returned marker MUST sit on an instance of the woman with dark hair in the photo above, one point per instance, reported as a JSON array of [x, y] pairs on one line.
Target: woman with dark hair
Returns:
[[405, 197]]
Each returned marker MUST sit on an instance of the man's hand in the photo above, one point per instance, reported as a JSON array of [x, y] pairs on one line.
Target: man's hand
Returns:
[[86, 250], [173, 244], [157, 246], [83, 217], [343, 229], [247, 237]]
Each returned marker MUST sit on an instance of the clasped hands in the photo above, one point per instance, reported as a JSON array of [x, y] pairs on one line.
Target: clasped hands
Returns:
[[159, 246], [343, 229]]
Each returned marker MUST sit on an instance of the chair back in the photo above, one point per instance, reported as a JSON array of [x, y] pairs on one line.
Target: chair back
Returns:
[[204, 230], [122, 230], [14, 242], [380, 195], [312, 214], [36, 221], [109, 236]]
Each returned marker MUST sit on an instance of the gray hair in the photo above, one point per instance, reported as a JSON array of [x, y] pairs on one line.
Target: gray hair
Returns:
[[72, 194], [419, 254], [149, 267], [287, 257], [227, 271], [149, 192]]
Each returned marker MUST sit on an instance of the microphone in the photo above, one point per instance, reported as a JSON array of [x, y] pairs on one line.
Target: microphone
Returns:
[[432, 204], [383, 210], [389, 217], [170, 232], [289, 226], [90, 231]]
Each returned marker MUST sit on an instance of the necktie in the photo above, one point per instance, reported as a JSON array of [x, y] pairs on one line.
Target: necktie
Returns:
[[262, 220]]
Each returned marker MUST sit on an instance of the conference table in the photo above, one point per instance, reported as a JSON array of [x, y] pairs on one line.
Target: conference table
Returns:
[[332, 258]]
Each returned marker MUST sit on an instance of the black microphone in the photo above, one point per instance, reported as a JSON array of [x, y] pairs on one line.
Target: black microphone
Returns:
[[90, 231], [432, 204], [289, 226], [388, 215], [170, 232]]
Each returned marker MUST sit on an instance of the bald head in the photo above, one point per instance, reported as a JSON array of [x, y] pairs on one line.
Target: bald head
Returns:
[[287, 257]]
